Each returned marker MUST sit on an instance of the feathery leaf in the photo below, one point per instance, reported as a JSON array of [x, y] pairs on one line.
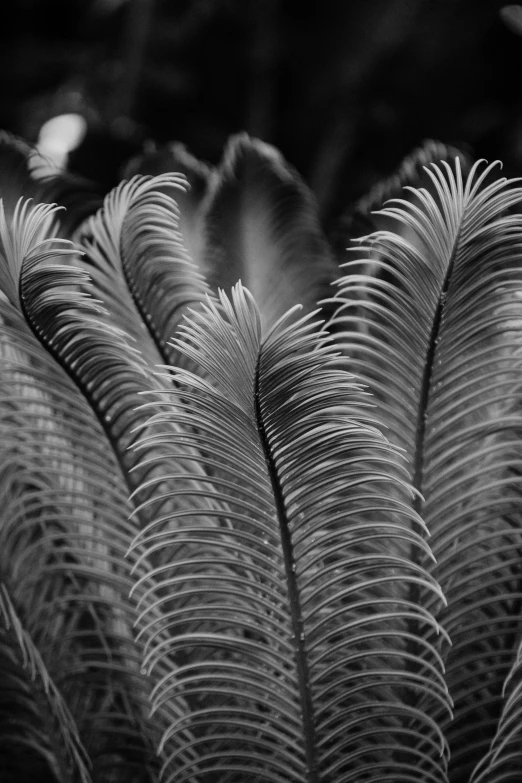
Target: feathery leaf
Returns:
[[436, 336], [262, 227], [305, 658], [176, 158]]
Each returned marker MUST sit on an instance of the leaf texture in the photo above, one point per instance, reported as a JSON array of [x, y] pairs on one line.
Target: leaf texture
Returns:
[[176, 158], [262, 227], [304, 658], [436, 336], [138, 262], [366, 215], [65, 519]]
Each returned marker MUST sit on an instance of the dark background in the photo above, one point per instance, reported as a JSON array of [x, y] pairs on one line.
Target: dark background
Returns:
[[344, 89]]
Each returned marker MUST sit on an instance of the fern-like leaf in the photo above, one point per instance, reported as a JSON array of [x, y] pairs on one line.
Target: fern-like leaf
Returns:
[[65, 510], [138, 263], [436, 336], [176, 158], [305, 660], [262, 227]]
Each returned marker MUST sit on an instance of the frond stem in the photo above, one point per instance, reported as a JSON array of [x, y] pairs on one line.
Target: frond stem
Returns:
[[303, 673], [82, 387], [420, 433]]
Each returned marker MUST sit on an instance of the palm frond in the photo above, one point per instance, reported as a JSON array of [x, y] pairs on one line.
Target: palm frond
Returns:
[[262, 227], [366, 215], [64, 498], [305, 660], [436, 336], [137, 261], [97, 357], [176, 158], [63, 537]]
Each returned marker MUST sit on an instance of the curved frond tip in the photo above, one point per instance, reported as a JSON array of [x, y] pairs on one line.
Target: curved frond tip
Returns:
[[299, 644], [436, 334]]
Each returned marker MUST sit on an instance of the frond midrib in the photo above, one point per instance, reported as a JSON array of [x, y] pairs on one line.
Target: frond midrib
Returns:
[[297, 623], [79, 383], [429, 363]]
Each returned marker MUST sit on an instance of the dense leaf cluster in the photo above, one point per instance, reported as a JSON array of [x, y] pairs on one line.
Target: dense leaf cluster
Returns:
[[253, 526]]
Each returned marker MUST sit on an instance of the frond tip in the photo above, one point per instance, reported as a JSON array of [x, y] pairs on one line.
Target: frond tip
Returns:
[[436, 334], [301, 655]]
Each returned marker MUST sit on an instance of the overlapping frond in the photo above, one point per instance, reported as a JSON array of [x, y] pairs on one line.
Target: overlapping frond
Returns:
[[305, 659], [139, 266], [366, 215], [65, 524], [97, 356], [175, 157], [15, 175], [436, 334], [410, 173], [262, 227]]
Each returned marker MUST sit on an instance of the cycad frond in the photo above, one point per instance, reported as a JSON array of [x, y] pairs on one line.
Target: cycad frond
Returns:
[[68, 322], [176, 158], [138, 263], [65, 509], [304, 657], [436, 334], [262, 227], [366, 215], [62, 542]]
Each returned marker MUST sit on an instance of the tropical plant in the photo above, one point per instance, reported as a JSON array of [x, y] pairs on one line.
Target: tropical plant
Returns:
[[242, 541]]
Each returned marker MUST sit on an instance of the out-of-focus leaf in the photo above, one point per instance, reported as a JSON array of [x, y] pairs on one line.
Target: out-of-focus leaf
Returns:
[[262, 227]]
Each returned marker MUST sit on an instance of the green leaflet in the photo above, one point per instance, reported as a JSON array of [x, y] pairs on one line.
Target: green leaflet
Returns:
[[304, 658]]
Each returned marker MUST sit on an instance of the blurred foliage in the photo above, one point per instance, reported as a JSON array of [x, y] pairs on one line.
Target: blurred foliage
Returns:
[[344, 89]]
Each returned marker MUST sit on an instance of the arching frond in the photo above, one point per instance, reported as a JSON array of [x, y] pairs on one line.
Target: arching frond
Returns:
[[366, 215], [65, 510], [304, 657], [262, 227], [140, 268], [436, 336], [97, 356], [176, 158]]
